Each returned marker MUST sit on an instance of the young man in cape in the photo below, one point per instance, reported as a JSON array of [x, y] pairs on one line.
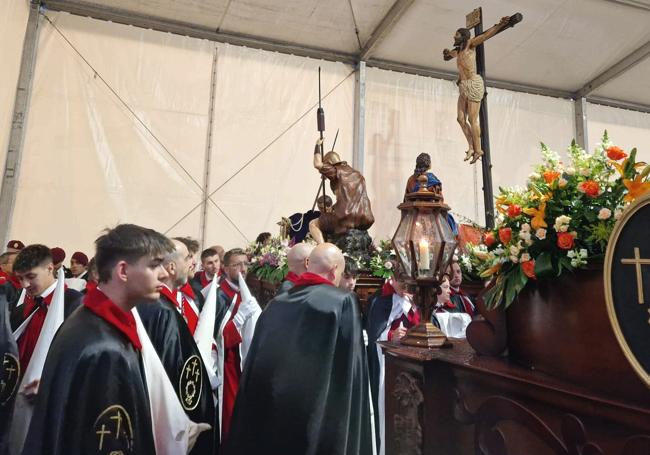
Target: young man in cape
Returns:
[[390, 315], [34, 270], [93, 397], [228, 295], [461, 302], [305, 385], [171, 337], [211, 264], [297, 262]]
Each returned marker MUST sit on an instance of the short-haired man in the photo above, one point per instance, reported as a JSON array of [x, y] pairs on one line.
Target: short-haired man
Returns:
[[172, 338], [229, 295], [305, 385], [297, 258], [211, 266], [191, 294], [34, 270], [459, 302], [93, 396]]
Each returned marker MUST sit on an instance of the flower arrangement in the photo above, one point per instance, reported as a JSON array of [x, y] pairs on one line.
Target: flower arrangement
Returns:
[[380, 263], [560, 221], [269, 262]]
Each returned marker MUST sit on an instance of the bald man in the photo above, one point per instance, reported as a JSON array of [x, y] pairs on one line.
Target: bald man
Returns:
[[297, 259], [304, 388]]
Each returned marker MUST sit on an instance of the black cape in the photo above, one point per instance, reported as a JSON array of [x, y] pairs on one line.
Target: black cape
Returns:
[[93, 379], [304, 389], [378, 314], [9, 372], [284, 287], [182, 361]]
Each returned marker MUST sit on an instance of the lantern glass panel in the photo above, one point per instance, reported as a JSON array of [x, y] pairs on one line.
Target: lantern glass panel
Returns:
[[425, 239], [449, 241], [400, 242]]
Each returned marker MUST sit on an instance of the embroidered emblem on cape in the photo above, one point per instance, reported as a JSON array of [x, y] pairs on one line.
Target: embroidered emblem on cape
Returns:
[[190, 383], [10, 372], [114, 432]]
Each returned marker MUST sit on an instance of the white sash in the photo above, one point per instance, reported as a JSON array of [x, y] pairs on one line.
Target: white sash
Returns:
[[174, 433]]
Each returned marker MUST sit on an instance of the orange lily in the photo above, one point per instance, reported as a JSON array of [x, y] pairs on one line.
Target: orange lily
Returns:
[[537, 215], [491, 271], [635, 188]]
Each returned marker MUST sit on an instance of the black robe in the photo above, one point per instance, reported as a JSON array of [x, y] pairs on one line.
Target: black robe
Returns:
[[304, 389], [284, 287], [182, 361], [9, 372], [93, 379]]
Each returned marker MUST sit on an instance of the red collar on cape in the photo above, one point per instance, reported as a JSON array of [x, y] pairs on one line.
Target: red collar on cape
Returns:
[[97, 302], [311, 279], [292, 277], [188, 291], [228, 289]]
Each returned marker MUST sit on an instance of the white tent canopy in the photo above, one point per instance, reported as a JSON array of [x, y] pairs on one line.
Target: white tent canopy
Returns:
[[193, 134]]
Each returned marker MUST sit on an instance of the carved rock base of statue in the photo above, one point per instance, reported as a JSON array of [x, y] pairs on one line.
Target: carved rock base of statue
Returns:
[[355, 242]]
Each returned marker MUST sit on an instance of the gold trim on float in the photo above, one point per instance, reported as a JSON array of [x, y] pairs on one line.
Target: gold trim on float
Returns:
[[607, 278]]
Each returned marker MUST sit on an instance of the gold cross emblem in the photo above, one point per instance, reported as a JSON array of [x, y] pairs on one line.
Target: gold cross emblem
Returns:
[[637, 262]]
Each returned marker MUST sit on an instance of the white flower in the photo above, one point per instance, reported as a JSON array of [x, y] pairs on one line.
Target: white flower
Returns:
[[533, 176], [498, 251], [514, 250], [378, 249], [562, 223], [525, 257], [540, 233], [562, 182], [455, 258], [524, 235], [525, 227], [585, 172], [570, 170], [529, 242], [617, 214], [583, 252], [563, 228], [578, 258], [604, 213], [514, 259], [388, 265]]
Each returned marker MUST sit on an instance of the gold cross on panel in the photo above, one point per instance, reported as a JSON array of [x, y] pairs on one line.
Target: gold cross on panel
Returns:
[[637, 262]]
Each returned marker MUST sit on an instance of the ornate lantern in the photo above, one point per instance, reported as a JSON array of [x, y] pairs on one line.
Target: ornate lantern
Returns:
[[424, 243]]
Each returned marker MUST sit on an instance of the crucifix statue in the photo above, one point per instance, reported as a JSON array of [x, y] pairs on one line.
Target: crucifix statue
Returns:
[[470, 83]]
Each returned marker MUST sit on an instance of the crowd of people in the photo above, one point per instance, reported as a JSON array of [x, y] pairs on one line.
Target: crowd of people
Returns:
[[160, 348]]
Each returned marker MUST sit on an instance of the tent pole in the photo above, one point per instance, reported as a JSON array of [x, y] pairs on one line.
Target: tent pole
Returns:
[[19, 122]]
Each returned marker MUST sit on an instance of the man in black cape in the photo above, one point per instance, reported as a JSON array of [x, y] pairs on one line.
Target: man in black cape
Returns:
[[93, 395], [177, 350], [304, 389], [9, 372]]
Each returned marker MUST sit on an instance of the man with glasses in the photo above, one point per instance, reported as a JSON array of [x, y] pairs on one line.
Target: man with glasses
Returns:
[[229, 295]]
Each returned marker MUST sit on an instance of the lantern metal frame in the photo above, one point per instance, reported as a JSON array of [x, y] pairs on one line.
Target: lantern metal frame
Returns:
[[431, 202]]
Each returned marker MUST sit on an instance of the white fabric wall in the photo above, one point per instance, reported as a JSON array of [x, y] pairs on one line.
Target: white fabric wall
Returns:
[[407, 115], [13, 21], [87, 164], [267, 101], [628, 129]]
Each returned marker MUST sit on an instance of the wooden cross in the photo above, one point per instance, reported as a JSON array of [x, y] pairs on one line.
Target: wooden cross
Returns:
[[637, 262]]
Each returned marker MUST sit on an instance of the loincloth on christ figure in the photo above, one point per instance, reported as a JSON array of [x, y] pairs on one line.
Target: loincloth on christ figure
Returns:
[[472, 89]]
